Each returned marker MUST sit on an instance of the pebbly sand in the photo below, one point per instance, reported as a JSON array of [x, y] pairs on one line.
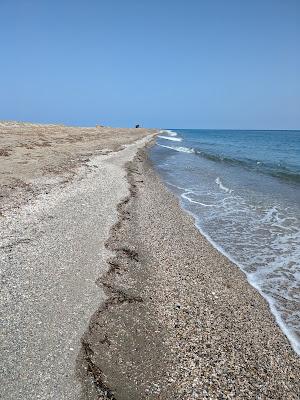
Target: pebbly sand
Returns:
[[169, 318]]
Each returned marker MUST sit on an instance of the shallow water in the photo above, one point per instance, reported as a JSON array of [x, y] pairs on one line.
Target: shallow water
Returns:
[[243, 189]]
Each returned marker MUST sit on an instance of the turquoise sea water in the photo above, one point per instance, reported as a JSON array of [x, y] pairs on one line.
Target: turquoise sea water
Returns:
[[243, 189]]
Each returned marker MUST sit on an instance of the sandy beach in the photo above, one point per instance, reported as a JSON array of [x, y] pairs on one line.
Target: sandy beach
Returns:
[[53, 248], [108, 289], [35, 157]]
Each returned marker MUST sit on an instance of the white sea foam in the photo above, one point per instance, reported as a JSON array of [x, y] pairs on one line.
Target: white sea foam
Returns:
[[186, 197], [174, 139], [178, 187], [221, 186], [270, 215], [185, 149], [168, 132], [181, 149]]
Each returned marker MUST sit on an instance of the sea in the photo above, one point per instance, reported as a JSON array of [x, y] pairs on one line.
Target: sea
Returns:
[[243, 189]]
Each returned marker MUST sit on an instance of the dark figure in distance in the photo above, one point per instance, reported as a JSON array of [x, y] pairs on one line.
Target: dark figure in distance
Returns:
[[137, 126]]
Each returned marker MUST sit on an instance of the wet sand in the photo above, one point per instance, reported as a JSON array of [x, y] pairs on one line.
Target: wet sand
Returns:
[[180, 321]]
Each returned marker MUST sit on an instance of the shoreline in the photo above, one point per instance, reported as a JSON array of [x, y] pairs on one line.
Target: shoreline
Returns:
[[291, 336], [249, 214], [293, 340], [191, 324]]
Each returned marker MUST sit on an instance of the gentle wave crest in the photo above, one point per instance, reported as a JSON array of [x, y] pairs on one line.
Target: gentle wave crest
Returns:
[[181, 149], [173, 139], [168, 132], [277, 171]]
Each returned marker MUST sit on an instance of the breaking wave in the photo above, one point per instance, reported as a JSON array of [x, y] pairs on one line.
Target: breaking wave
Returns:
[[178, 148], [168, 132], [173, 139]]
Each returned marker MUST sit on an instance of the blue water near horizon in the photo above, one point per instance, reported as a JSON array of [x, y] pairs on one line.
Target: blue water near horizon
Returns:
[[243, 189]]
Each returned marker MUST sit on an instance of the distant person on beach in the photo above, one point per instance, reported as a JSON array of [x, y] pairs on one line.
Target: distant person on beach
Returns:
[[137, 126]]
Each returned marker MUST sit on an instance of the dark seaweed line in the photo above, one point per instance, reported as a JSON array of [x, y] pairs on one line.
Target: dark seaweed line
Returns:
[[116, 296]]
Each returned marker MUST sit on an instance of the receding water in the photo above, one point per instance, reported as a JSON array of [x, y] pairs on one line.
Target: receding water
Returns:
[[243, 189]]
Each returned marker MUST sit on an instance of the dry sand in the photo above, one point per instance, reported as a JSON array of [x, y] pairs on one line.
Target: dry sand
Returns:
[[52, 251], [181, 321], [35, 158]]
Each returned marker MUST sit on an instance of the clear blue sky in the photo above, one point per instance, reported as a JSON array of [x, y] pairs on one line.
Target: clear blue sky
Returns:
[[166, 63]]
